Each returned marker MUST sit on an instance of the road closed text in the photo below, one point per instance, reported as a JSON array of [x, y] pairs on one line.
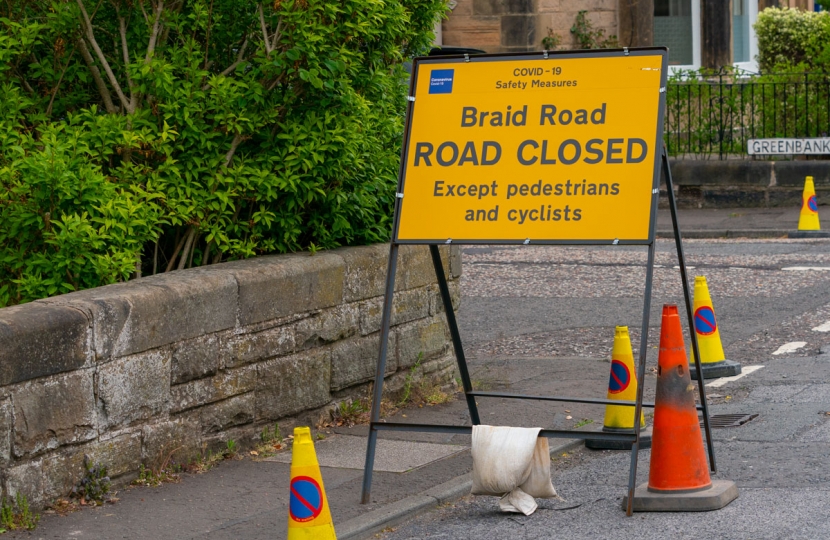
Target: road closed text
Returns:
[[567, 150], [533, 152]]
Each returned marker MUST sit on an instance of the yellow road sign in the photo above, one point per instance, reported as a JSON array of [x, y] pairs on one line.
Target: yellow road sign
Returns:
[[522, 147]]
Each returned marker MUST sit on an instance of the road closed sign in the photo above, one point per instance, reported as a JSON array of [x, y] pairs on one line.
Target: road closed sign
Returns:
[[526, 148]]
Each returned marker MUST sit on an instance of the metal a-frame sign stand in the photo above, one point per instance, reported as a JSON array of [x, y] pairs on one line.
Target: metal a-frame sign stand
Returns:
[[661, 167]]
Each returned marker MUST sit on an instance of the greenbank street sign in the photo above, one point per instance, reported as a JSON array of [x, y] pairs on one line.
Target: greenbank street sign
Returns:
[[813, 146]]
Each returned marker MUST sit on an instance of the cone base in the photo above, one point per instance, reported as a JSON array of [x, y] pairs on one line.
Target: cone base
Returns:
[[597, 444], [719, 495], [715, 370], [809, 234]]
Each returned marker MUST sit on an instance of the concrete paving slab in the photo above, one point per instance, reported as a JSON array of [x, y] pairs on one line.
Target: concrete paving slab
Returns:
[[347, 452]]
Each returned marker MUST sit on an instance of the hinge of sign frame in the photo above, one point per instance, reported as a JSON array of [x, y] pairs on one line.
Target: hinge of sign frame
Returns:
[[399, 195], [654, 191], [449, 241], [616, 241], [545, 53], [410, 98], [662, 89], [625, 51], [527, 241], [466, 57]]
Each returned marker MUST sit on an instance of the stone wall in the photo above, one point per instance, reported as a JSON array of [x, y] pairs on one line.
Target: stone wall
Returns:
[[519, 25], [181, 362], [746, 183]]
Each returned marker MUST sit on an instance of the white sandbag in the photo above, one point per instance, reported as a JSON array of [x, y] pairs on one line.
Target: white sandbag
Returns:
[[519, 502], [538, 482], [512, 463]]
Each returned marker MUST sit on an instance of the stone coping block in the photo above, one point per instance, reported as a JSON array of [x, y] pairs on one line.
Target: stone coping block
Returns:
[[38, 340], [150, 312]]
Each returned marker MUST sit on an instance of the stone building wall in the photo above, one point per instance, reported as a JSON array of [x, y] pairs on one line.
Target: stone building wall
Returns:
[[519, 25], [178, 363]]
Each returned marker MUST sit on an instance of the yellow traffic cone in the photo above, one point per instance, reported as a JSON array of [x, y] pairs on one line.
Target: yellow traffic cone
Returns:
[[309, 516], [622, 386], [713, 361], [808, 222]]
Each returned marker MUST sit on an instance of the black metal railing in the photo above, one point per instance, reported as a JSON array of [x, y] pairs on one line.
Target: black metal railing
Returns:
[[713, 116]]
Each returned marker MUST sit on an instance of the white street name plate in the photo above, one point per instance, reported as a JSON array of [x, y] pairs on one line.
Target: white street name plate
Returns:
[[789, 146]]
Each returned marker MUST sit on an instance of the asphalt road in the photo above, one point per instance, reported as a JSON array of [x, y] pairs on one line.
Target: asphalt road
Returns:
[[551, 302]]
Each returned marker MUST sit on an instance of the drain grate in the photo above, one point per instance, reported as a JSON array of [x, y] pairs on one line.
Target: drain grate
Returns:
[[728, 420]]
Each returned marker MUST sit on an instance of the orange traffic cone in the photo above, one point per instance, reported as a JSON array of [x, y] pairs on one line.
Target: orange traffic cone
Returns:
[[713, 362], [622, 386], [678, 478], [309, 516], [808, 220]]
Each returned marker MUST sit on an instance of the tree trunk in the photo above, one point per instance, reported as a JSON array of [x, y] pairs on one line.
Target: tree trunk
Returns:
[[716, 33], [636, 20]]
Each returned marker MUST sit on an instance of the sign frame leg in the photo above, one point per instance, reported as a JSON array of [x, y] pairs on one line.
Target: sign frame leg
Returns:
[[641, 374], [377, 390], [687, 296], [458, 346]]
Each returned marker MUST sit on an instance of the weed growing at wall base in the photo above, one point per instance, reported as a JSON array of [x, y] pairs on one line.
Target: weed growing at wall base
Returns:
[[21, 519]]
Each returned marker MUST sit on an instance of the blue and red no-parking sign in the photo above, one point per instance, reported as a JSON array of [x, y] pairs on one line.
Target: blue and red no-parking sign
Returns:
[[620, 377], [306, 501], [705, 323], [812, 203]]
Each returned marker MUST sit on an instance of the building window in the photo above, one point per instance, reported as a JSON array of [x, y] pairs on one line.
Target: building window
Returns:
[[673, 29], [740, 31]]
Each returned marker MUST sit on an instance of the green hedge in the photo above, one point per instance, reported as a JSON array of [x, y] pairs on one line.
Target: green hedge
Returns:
[[140, 136], [789, 37]]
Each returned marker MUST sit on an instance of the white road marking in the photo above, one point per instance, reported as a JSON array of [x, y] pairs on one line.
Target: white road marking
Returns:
[[806, 268], [717, 383], [790, 347], [822, 327]]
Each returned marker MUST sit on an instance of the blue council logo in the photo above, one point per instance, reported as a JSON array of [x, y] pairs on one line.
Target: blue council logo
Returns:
[[440, 81]]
